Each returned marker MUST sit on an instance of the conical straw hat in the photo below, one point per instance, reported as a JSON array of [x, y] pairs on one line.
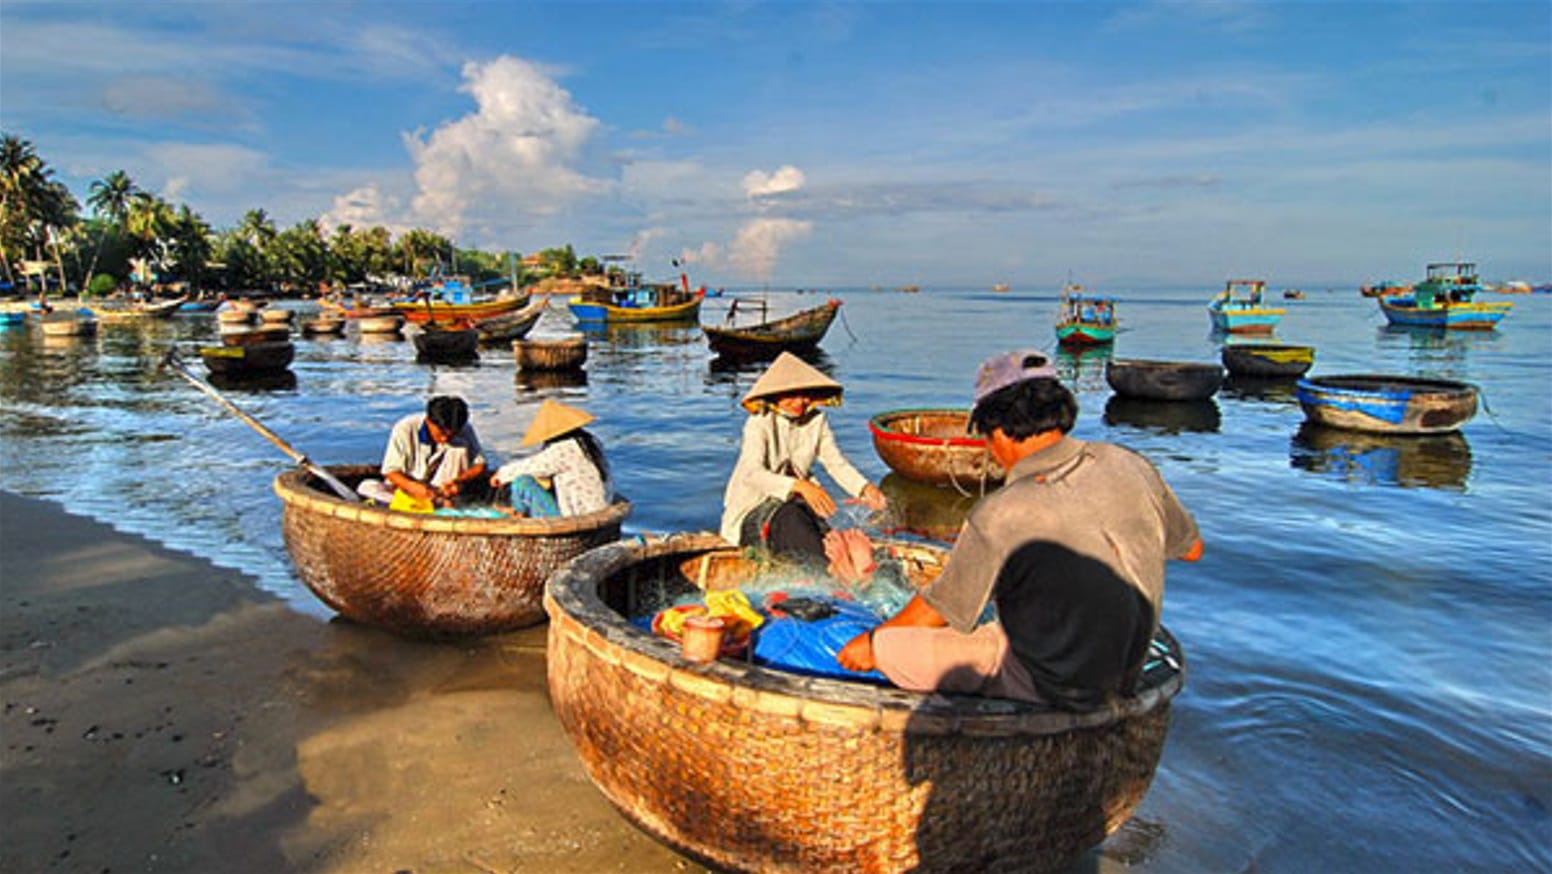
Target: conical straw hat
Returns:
[[789, 373], [553, 420]]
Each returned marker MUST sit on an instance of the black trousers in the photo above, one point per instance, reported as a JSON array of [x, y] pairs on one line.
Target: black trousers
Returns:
[[789, 529]]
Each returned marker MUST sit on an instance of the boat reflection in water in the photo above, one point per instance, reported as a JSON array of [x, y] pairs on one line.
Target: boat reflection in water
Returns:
[[1164, 417], [280, 380], [1083, 369], [925, 510], [542, 380], [1252, 388], [1438, 461], [640, 335]]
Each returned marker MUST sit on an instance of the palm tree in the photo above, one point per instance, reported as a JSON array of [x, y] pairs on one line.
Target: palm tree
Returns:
[[35, 210], [151, 222], [110, 198]]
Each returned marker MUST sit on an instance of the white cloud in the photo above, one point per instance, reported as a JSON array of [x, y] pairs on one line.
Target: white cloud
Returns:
[[708, 255], [366, 207], [758, 183], [757, 245], [516, 153], [197, 168]]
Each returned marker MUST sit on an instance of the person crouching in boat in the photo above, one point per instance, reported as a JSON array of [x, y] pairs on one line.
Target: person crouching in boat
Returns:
[[772, 498], [432, 460], [1070, 550], [568, 477]]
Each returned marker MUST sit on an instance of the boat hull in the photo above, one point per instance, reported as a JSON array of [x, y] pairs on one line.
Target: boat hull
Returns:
[[591, 311], [447, 345], [568, 353], [1163, 380], [933, 446], [795, 333], [421, 312], [1382, 404], [1245, 321], [755, 769], [1084, 334], [1403, 312], [427, 575], [1268, 360], [243, 359], [511, 326]]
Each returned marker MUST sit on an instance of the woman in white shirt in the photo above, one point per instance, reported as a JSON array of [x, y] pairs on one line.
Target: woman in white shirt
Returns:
[[772, 498], [568, 477]]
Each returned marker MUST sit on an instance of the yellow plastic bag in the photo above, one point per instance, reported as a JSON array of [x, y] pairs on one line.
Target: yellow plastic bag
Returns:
[[733, 608], [407, 503]]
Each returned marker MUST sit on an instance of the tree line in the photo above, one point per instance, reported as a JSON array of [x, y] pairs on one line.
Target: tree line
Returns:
[[129, 236]]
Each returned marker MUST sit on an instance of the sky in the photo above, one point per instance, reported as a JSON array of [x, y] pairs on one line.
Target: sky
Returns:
[[794, 144]]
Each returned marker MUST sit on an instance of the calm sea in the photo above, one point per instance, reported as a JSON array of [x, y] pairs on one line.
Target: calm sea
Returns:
[[1368, 635]]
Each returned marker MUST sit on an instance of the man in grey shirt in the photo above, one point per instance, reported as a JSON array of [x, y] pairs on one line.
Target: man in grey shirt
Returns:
[[1070, 550]]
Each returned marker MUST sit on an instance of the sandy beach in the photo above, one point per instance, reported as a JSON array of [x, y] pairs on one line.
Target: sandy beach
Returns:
[[162, 714]]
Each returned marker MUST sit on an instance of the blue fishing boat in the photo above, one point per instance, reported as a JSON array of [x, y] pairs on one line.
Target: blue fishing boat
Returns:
[[636, 301], [1386, 404], [1445, 300], [1240, 309]]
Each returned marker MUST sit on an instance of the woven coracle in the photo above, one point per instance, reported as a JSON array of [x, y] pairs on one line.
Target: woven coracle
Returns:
[[933, 446], [567, 353], [424, 575], [753, 769]]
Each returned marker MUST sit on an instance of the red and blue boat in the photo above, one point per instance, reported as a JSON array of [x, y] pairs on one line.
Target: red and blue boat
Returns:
[[1085, 321], [1445, 300]]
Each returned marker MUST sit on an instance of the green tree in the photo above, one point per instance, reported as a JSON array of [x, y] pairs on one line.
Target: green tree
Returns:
[[109, 199], [300, 256], [190, 247], [150, 223]]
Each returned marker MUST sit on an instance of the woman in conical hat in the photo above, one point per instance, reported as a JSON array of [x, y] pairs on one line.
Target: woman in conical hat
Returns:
[[568, 477], [772, 497]]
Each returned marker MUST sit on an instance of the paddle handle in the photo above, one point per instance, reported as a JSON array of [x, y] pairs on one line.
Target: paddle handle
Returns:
[[172, 360]]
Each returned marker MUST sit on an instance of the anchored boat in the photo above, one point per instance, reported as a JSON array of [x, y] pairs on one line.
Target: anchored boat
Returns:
[[934, 446], [795, 333], [1446, 299], [1385, 404], [1267, 360], [1163, 380], [1084, 321], [1241, 309]]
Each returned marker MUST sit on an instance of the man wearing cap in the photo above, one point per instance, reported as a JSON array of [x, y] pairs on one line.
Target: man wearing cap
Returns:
[[1070, 550], [435, 457], [568, 477], [772, 498]]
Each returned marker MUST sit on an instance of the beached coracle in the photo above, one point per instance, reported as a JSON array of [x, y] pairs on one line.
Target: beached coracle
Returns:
[[1163, 380], [1384, 404], [933, 446], [428, 575], [754, 769]]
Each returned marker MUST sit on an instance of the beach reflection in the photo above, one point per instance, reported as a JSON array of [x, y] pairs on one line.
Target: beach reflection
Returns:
[[1440, 461], [1164, 417]]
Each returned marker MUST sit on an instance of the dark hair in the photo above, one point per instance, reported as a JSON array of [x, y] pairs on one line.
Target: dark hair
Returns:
[[592, 449], [448, 413], [1025, 409]]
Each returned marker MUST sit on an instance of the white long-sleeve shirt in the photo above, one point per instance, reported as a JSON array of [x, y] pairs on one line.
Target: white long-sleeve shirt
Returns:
[[577, 484], [777, 452]]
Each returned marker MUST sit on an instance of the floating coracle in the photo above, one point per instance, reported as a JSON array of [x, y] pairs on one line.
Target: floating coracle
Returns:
[[562, 353], [1384, 404], [1163, 380], [934, 446], [754, 769], [1268, 360]]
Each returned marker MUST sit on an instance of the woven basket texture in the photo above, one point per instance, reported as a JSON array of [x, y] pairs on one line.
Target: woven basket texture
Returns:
[[753, 769], [427, 575], [942, 463], [567, 354]]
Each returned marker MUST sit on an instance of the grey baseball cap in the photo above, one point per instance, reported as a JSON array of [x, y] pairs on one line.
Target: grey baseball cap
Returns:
[[1011, 368]]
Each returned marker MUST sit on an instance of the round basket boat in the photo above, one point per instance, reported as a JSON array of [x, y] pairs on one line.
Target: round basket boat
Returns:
[[754, 769], [391, 323], [565, 353], [934, 446], [1163, 380], [1384, 404], [428, 575], [1268, 360]]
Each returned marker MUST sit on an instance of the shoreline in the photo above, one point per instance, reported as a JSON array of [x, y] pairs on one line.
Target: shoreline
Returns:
[[158, 713]]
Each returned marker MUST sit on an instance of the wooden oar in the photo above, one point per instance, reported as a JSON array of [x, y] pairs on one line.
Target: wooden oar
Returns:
[[172, 360]]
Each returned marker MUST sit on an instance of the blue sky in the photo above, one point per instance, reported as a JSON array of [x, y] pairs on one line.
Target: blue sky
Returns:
[[841, 144]]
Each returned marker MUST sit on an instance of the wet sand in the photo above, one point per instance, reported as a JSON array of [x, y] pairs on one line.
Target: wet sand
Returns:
[[160, 714]]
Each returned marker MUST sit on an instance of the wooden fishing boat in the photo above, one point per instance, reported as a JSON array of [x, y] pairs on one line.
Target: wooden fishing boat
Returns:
[[1163, 380], [428, 575], [1084, 321], [1384, 404], [511, 326], [1446, 299], [649, 302], [795, 333], [550, 353], [1241, 309], [247, 359], [1267, 360], [453, 301], [934, 446], [445, 343], [68, 323], [130, 310], [755, 769]]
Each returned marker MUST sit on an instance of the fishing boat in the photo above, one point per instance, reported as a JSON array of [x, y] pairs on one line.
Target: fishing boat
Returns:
[[1292, 294], [795, 333], [446, 343], [1241, 309], [130, 310], [639, 302], [751, 768], [1163, 380], [511, 326], [1001, 288], [1384, 404], [205, 305], [453, 300], [427, 575], [550, 353], [1084, 321], [248, 359], [934, 446], [1446, 299], [1267, 360]]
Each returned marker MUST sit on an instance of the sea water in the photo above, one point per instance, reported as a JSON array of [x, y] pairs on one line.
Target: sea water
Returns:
[[1367, 638]]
